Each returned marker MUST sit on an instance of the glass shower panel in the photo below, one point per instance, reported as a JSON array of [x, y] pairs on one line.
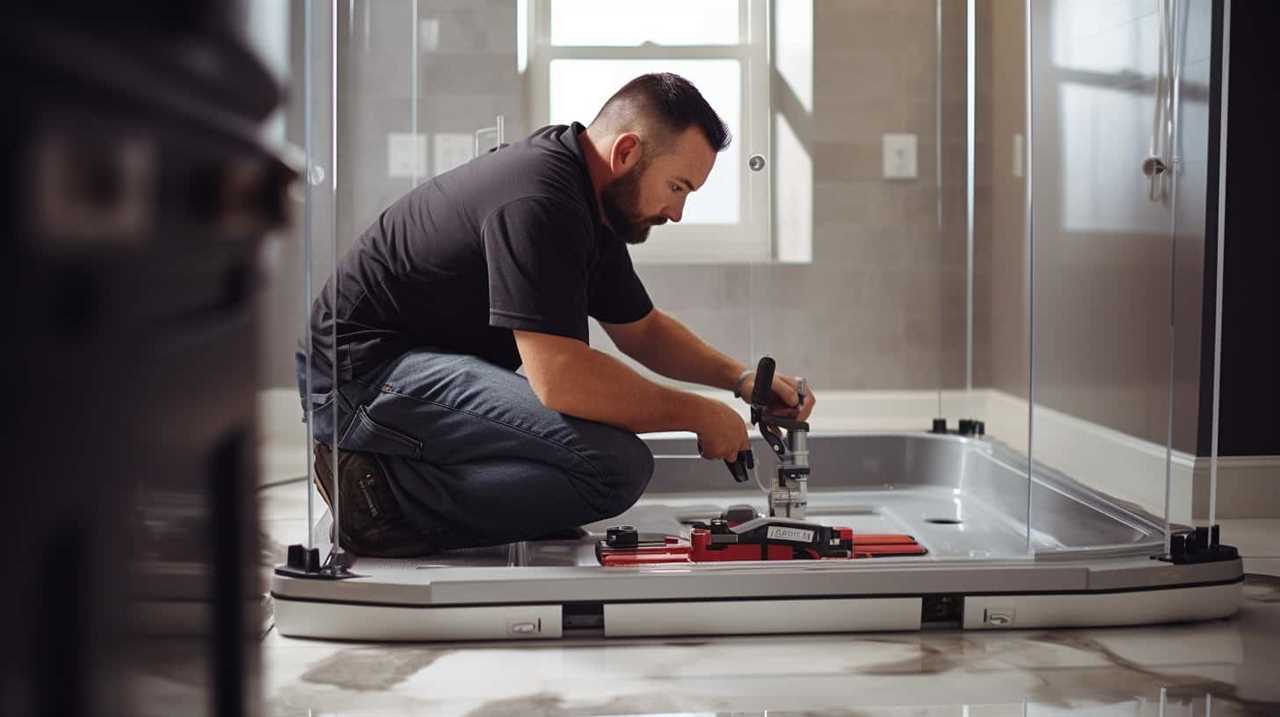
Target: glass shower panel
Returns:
[[397, 91], [859, 308], [878, 314], [989, 223], [982, 254], [980, 215], [1193, 61], [955, 160], [316, 358], [1105, 280]]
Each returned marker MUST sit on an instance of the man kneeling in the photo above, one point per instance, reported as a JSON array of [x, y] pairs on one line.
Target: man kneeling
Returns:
[[497, 264]]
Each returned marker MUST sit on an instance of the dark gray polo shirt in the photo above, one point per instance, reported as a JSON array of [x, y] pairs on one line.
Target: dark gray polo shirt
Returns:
[[510, 240]]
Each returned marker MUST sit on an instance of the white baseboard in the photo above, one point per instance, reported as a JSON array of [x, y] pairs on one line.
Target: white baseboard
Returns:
[[1248, 487], [1134, 469], [1114, 462]]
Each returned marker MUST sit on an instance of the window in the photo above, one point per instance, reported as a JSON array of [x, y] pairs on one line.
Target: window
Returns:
[[581, 51]]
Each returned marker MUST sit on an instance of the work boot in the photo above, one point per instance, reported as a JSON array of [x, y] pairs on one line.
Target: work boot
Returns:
[[372, 523]]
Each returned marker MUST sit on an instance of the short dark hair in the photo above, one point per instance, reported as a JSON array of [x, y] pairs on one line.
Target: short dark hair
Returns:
[[666, 102]]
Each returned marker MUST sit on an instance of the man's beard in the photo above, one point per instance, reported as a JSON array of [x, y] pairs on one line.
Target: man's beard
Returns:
[[620, 199]]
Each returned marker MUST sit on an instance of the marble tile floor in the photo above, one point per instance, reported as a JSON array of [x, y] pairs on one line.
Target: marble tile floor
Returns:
[[1226, 667], [1100, 672]]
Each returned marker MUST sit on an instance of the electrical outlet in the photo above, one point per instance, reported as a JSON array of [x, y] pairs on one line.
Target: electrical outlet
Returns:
[[899, 153], [406, 155]]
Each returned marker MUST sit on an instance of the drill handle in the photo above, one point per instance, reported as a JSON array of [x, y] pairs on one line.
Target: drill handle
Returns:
[[762, 391]]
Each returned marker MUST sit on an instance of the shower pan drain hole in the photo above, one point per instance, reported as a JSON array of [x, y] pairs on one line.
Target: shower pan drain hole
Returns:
[[943, 521]]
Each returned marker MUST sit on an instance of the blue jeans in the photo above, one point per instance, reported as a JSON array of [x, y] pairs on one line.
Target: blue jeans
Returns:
[[472, 456]]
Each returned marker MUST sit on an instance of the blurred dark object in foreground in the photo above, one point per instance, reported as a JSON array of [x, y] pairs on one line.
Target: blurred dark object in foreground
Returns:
[[137, 194]]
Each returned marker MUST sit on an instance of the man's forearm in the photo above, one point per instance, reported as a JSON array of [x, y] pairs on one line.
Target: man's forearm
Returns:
[[671, 349], [595, 386]]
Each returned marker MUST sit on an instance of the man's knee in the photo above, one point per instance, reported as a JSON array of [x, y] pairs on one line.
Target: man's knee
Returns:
[[627, 474]]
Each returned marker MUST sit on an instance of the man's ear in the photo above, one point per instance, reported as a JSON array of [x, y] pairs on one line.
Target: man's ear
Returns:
[[626, 153]]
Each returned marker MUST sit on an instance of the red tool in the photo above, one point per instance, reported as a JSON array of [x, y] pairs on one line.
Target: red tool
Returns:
[[758, 538]]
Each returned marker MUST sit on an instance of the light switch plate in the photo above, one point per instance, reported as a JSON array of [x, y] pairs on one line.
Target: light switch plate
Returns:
[[449, 150], [406, 155], [1019, 161], [899, 153]]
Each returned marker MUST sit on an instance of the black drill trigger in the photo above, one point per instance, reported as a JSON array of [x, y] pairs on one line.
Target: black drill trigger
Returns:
[[738, 469]]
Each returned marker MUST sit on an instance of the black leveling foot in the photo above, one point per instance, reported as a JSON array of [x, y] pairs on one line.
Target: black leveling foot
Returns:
[[303, 562], [1199, 545]]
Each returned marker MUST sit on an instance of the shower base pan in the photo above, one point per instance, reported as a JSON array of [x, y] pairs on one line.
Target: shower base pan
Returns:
[[1085, 560]]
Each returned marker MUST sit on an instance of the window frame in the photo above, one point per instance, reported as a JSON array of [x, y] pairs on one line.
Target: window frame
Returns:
[[750, 239]]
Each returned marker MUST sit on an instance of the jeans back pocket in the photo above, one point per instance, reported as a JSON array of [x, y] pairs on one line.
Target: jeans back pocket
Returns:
[[366, 434]]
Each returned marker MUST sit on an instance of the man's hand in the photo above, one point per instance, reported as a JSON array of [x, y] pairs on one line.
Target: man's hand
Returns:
[[721, 432], [784, 402]]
